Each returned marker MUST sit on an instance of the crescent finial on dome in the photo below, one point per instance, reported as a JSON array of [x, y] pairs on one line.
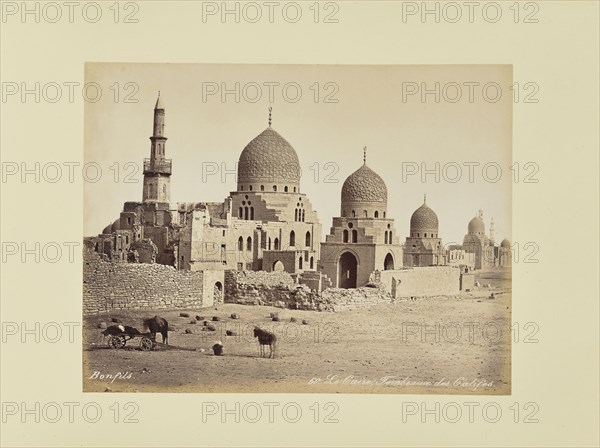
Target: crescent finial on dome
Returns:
[[270, 119], [364, 155]]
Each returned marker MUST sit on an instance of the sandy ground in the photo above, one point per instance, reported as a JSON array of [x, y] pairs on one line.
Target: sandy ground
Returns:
[[439, 345]]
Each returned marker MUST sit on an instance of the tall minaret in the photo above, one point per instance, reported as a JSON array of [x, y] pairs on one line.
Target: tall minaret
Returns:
[[492, 231], [157, 169]]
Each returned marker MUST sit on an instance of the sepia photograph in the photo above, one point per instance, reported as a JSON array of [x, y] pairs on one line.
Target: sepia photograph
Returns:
[[299, 224], [299, 229]]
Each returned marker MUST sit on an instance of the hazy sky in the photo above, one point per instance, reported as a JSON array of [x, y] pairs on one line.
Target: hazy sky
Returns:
[[374, 108]]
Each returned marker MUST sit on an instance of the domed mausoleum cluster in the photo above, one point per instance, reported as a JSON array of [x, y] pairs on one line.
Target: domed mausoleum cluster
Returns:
[[480, 249], [267, 224]]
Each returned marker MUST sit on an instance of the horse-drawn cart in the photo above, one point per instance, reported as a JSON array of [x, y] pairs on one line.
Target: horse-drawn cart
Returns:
[[120, 340], [118, 335]]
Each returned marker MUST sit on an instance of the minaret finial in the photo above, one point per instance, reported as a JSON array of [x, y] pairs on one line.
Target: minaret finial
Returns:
[[364, 155], [270, 119]]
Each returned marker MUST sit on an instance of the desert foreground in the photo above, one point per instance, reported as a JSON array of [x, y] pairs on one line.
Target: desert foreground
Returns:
[[441, 345]]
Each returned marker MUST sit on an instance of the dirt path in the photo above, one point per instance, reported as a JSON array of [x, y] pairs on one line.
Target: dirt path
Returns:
[[441, 345]]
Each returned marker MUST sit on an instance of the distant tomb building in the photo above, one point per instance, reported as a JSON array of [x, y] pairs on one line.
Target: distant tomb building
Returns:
[[482, 248], [423, 247]]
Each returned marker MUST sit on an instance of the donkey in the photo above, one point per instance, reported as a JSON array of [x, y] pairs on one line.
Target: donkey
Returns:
[[157, 325], [265, 338]]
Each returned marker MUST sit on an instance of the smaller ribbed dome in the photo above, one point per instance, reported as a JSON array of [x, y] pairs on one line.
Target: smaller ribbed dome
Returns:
[[505, 243], [476, 225], [107, 230], [364, 185], [424, 218]]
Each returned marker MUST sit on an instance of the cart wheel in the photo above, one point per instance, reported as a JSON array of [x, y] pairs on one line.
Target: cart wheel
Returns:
[[146, 344], [116, 342]]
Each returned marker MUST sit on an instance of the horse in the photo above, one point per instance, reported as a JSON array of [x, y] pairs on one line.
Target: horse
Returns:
[[265, 338], [157, 325], [115, 330]]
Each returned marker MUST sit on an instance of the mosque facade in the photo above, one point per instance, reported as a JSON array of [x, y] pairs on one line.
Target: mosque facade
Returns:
[[363, 238], [268, 223]]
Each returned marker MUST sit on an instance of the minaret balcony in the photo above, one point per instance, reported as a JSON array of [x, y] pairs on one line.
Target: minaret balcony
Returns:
[[157, 166]]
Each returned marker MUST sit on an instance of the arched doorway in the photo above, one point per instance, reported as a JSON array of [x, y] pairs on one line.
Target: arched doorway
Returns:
[[388, 263], [218, 293], [347, 270], [278, 266]]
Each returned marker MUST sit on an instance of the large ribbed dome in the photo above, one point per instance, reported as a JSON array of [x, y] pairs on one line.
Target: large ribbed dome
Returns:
[[505, 243], [364, 185], [269, 158], [476, 225], [424, 218]]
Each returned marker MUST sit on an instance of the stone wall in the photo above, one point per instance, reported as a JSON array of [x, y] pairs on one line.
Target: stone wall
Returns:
[[419, 282], [109, 286], [467, 281], [278, 289]]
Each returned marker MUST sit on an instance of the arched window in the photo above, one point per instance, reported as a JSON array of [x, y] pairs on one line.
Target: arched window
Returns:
[[285, 189], [294, 189], [384, 214], [276, 243], [262, 188], [249, 244], [376, 214], [366, 214], [345, 236], [250, 188], [240, 244], [246, 213], [241, 213], [300, 263], [312, 262], [307, 239], [425, 235], [354, 236], [343, 213], [296, 215], [292, 238], [418, 235], [303, 215], [386, 237], [390, 237], [252, 213], [242, 188], [274, 187], [353, 214], [269, 244]]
